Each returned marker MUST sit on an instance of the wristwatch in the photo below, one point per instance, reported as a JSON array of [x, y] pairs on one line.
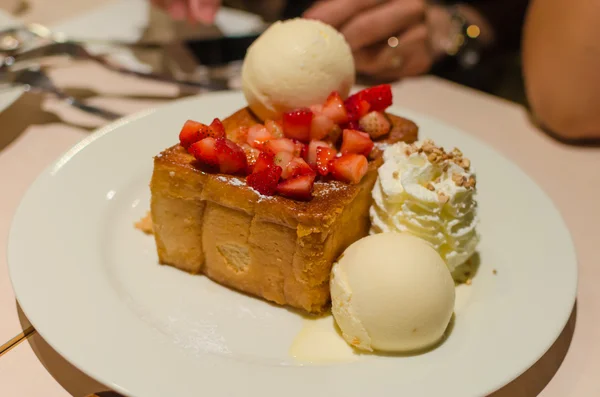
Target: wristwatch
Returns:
[[465, 45]]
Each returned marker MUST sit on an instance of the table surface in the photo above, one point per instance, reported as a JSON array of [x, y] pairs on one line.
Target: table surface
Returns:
[[35, 130]]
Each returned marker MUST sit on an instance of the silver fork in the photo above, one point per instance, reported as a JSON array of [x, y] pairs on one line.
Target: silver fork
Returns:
[[76, 50], [20, 37], [36, 80]]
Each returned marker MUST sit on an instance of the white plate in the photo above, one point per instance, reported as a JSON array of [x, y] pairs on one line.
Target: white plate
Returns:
[[90, 283]]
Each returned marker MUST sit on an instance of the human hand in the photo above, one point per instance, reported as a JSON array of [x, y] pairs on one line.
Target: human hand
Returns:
[[389, 39], [192, 10]]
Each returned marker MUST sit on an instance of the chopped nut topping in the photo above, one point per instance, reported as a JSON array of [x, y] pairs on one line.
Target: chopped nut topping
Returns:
[[438, 156], [468, 282], [456, 152], [443, 198], [410, 149], [471, 182], [433, 157], [429, 186], [459, 179], [396, 175], [428, 146]]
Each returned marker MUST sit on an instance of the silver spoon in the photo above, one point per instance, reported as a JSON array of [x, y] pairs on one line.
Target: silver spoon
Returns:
[[13, 39]]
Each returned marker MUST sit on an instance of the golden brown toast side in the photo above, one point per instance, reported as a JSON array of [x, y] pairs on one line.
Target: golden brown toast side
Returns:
[[272, 247]]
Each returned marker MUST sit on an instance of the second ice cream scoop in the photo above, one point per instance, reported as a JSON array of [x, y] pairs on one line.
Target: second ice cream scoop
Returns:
[[392, 292]]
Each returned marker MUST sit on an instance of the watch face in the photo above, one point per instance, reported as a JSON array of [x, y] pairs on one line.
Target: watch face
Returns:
[[469, 58], [466, 48]]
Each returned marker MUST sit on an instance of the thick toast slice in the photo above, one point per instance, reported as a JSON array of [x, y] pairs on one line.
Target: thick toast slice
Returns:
[[272, 247]]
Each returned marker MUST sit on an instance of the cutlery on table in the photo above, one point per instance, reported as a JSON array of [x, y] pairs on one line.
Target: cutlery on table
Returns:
[[77, 51], [15, 44], [35, 79], [18, 38]]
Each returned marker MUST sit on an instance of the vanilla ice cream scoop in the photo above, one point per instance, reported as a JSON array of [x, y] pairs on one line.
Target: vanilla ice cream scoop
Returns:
[[392, 292], [296, 63]]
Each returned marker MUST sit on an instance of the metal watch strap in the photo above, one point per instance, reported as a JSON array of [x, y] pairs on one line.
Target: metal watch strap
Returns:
[[467, 48]]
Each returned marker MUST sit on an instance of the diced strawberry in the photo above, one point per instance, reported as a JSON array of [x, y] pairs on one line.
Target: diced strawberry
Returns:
[[304, 152], [258, 135], [251, 155], [356, 142], [275, 128], [231, 157], [316, 109], [265, 175], [320, 126], [282, 159], [265, 181], [356, 107], [378, 97], [217, 128], [239, 135], [324, 156], [335, 135], [299, 148], [297, 167], [352, 125], [193, 131], [311, 156], [334, 108], [349, 168], [275, 146], [296, 124], [264, 161], [205, 151], [221, 152], [375, 124], [298, 188]]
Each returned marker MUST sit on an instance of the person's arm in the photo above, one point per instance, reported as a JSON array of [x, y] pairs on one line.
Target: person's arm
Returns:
[[561, 66]]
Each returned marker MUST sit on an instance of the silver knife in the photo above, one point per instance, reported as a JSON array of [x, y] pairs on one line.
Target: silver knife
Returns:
[[35, 79], [77, 51]]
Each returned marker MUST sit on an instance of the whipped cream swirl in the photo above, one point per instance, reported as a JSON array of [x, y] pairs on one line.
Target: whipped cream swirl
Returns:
[[428, 192]]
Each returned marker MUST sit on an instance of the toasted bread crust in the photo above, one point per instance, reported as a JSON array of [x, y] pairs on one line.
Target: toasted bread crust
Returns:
[[273, 247]]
